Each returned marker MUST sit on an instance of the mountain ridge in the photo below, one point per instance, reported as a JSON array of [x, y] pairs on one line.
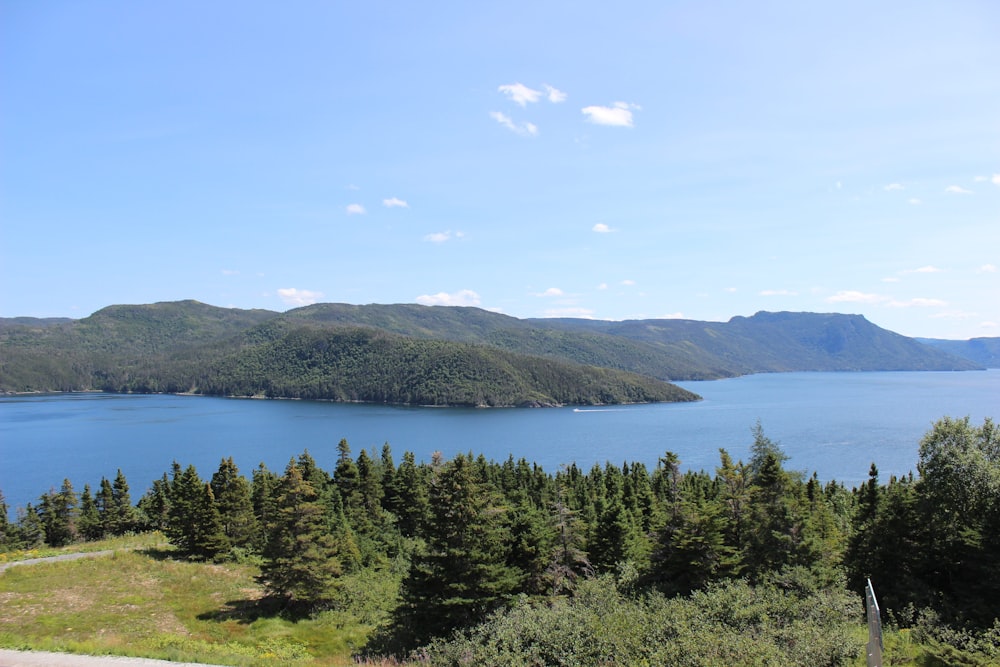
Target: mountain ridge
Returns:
[[192, 346]]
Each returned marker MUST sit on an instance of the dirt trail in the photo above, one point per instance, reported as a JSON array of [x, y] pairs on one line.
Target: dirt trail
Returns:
[[41, 659], [55, 559]]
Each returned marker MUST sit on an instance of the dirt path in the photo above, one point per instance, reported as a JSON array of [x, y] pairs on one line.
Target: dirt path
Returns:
[[40, 659], [55, 559]]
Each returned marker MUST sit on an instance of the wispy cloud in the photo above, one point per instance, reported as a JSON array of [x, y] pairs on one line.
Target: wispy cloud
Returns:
[[602, 286], [987, 268], [619, 114], [394, 202], [520, 94], [525, 129], [551, 292], [602, 228], [894, 187], [918, 302], [926, 269], [443, 237], [778, 292], [957, 190], [996, 179], [628, 283], [299, 297], [465, 297], [230, 272], [554, 95], [914, 201], [853, 296], [355, 209]]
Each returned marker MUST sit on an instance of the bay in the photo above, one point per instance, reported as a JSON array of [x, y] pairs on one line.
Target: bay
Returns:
[[835, 424]]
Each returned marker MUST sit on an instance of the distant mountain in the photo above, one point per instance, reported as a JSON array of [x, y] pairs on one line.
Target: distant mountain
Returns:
[[434, 355], [780, 342], [190, 346], [982, 351]]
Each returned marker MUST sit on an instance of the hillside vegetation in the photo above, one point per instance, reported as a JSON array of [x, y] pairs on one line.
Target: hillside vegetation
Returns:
[[432, 355]]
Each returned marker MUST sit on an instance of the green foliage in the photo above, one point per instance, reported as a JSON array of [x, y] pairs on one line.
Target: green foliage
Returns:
[[727, 624]]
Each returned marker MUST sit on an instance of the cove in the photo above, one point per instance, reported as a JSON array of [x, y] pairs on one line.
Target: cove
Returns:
[[835, 424]]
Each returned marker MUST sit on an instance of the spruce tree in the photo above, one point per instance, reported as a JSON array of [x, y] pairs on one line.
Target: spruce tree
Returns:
[[235, 504], [122, 516], [462, 574], [300, 564], [89, 521]]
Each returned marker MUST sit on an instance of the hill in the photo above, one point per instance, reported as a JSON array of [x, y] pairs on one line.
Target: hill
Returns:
[[982, 351], [436, 355]]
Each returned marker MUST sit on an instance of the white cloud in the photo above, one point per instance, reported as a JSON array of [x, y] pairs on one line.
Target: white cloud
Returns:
[[524, 129], [519, 93], [891, 279], [987, 268], [628, 283], [778, 292], [731, 290], [230, 272], [552, 291], [618, 114], [299, 297], [853, 296], [554, 95], [914, 201], [957, 190], [442, 237], [602, 286], [394, 202], [602, 228], [672, 316], [918, 302], [926, 269], [355, 209], [465, 297], [894, 187], [995, 180]]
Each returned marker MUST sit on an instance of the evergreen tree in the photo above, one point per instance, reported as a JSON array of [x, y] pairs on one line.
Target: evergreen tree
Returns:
[[235, 504], [58, 515], [209, 538], [106, 506], [154, 506], [568, 561], [30, 533], [4, 523], [187, 493], [122, 515], [263, 492], [300, 564], [408, 499], [462, 574], [89, 521], [693, 552]]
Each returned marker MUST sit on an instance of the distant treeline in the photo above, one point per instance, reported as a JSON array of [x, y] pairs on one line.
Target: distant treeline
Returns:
[[477, 541]]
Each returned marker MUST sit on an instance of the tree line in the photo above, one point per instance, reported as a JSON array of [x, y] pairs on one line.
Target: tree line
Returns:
[[476, 535]]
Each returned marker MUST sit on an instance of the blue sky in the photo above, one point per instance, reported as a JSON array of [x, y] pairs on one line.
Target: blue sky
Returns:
[[587, 159]]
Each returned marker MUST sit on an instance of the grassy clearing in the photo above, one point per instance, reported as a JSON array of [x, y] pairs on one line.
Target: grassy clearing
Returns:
[[139, 541], [144, 603]]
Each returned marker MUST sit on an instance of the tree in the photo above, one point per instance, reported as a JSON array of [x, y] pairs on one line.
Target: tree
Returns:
[[462, 575], [122, 515], [89, 520], [58, 515], [301, 564], [235, 504]]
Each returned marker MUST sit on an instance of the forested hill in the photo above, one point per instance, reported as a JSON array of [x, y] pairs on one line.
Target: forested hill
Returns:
[[982, 351], [432, 354], [780, 342]]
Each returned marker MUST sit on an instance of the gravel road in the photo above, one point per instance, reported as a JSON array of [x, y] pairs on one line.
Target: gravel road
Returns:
[[54, 559]]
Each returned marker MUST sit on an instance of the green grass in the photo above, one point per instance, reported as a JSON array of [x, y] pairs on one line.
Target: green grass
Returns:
[[136, 541], [147, 604]]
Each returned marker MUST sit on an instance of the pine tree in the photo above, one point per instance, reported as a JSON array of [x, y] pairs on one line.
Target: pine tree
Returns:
[[209, 538], [122, 516], [58, 515], [89, 522], [463, 574], [154, 506], [235, 505], [186, 503], [106, 506], [300, 565], [4, 523]]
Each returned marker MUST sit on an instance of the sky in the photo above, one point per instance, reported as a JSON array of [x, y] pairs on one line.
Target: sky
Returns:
[[629, 160]]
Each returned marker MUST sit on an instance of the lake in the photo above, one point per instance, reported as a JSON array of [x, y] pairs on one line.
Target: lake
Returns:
[[835, 424]]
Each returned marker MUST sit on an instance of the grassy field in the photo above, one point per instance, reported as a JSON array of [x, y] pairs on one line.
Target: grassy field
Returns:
[[142, 602]]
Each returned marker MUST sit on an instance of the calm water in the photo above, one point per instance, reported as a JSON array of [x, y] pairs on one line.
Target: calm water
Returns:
[[833, 423]]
